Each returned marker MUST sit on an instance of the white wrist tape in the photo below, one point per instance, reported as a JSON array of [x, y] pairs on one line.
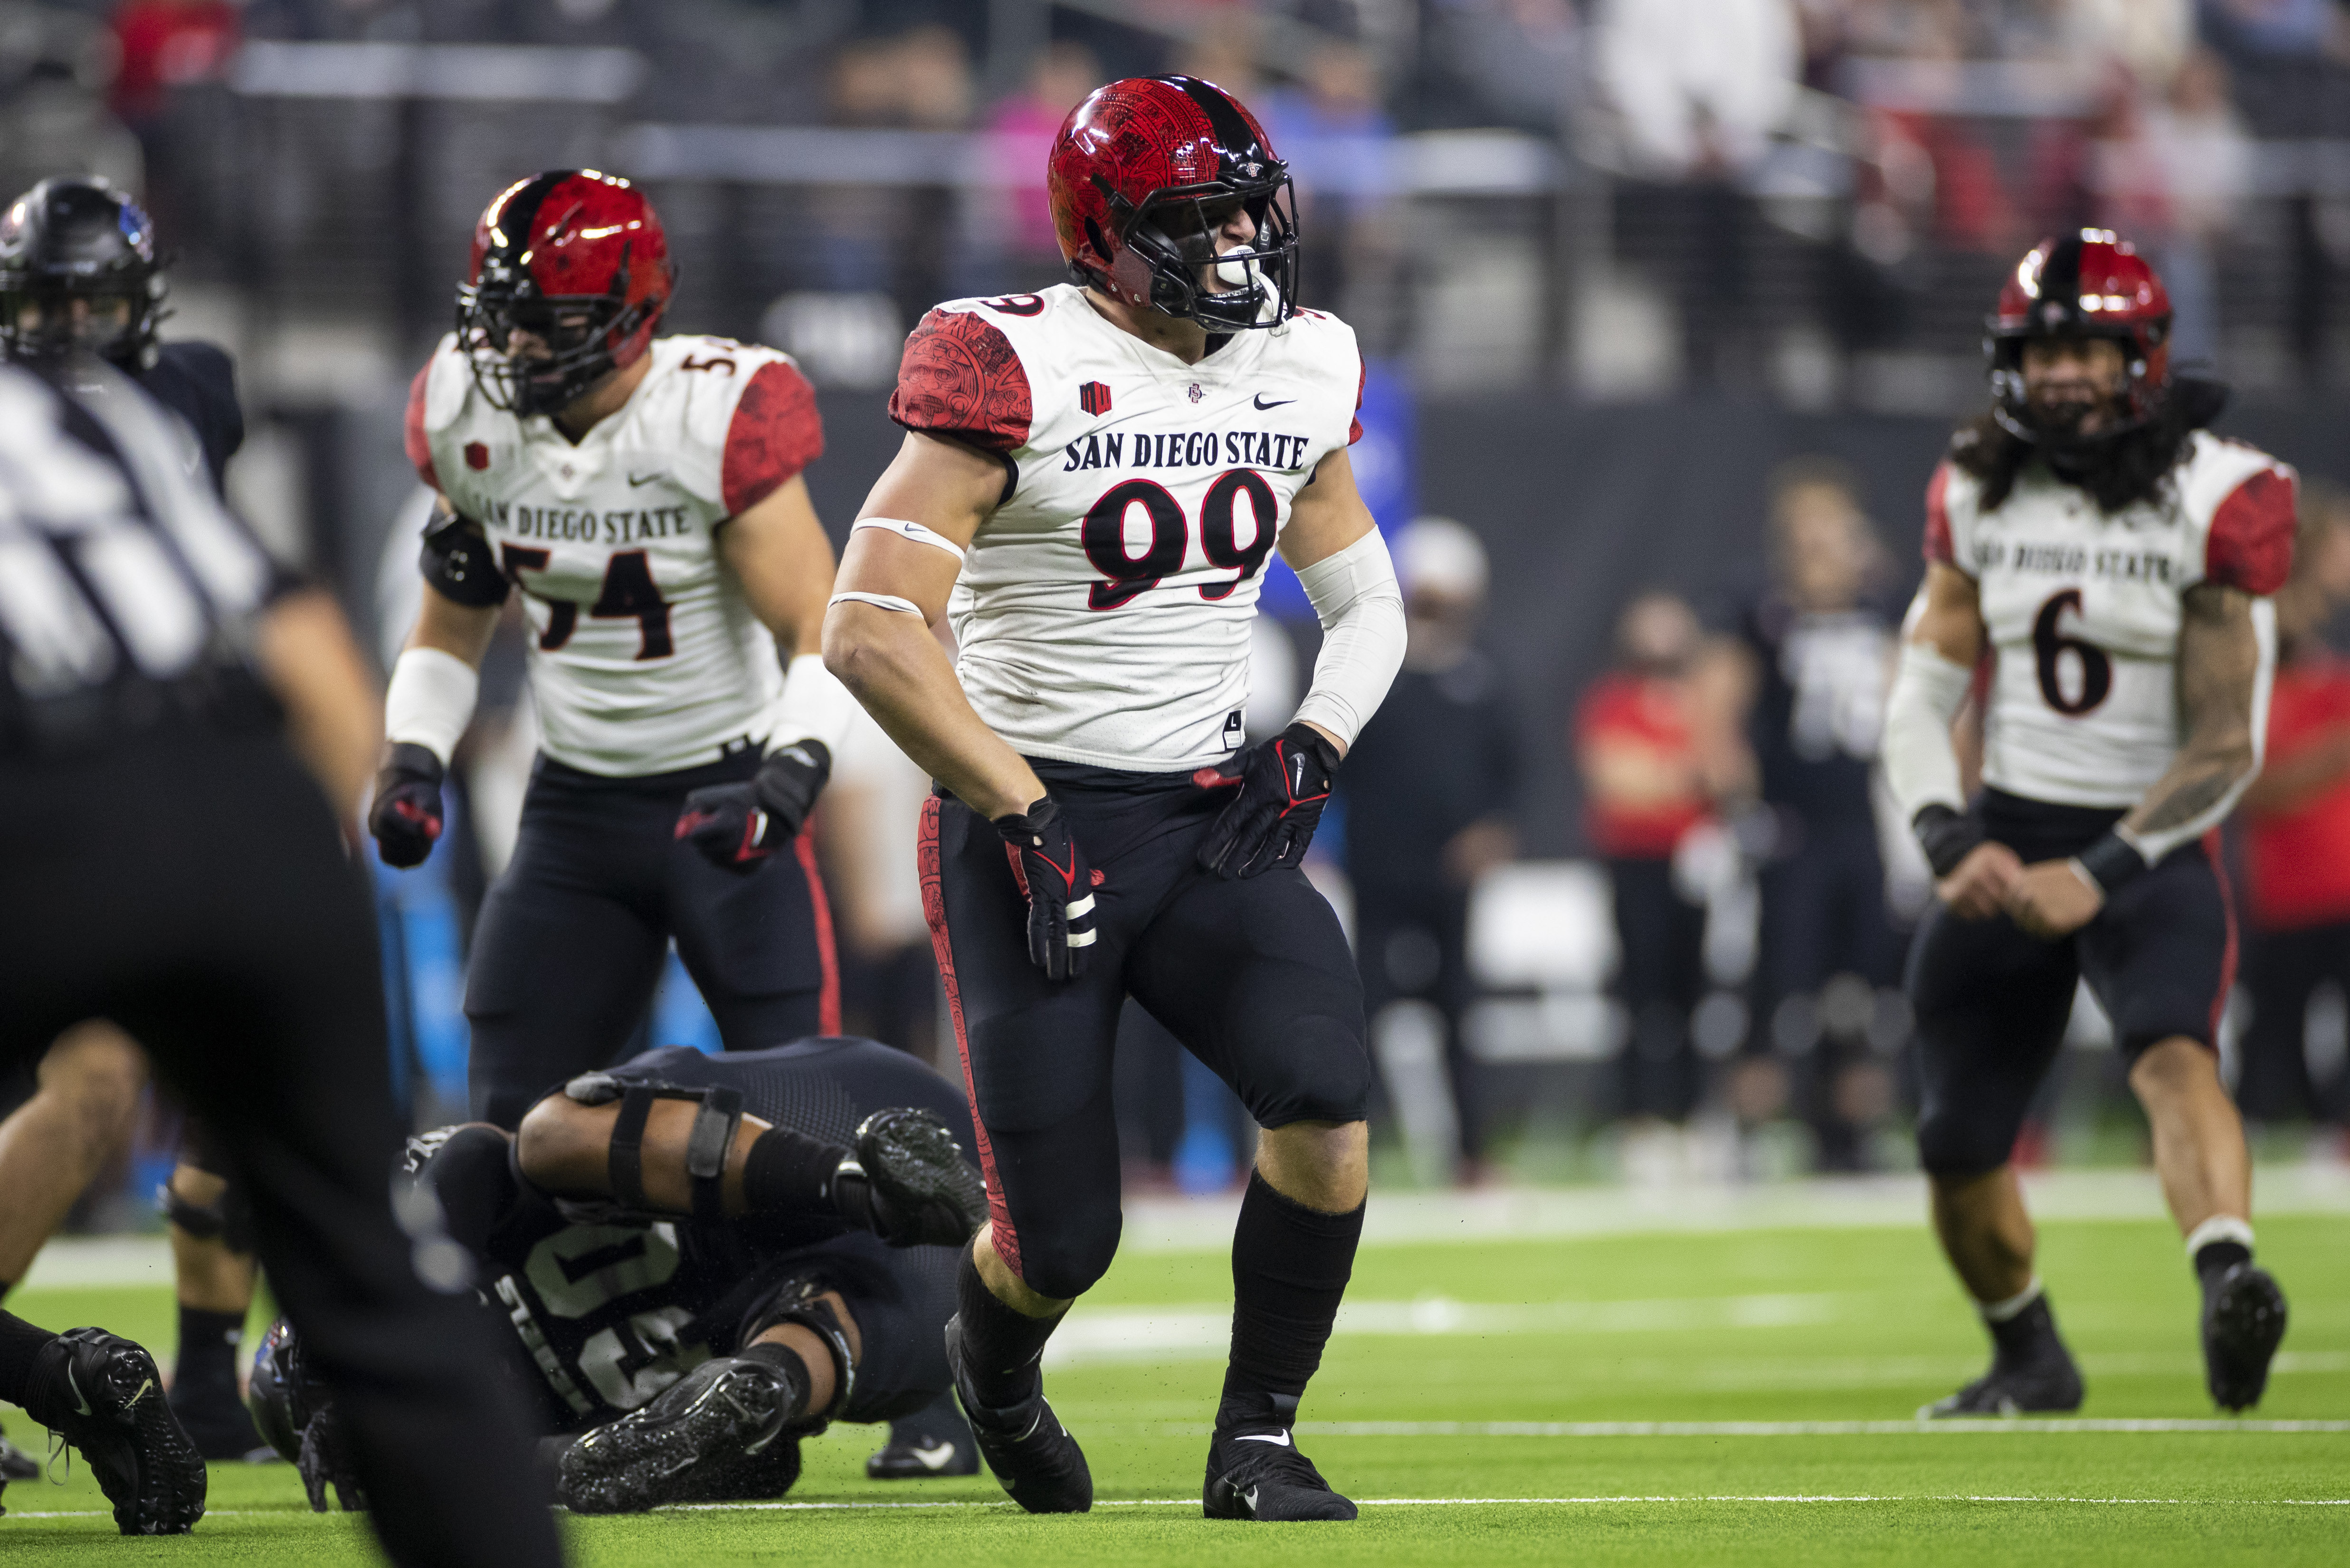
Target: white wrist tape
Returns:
[[914, 531], [815, 706], [885, 602], [1355, 595], [429, 701], [1920, 765]]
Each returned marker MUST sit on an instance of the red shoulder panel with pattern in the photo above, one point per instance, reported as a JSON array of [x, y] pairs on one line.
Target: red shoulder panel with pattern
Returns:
[[776, 432], [420, 450], [1362, 376], [2251, 546], [1938, 518], [961, 378]]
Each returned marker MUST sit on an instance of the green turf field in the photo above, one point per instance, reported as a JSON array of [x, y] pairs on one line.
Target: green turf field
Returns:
[[1496, 1398]]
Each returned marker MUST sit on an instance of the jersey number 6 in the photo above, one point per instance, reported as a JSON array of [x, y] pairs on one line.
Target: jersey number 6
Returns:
[[2048, 647], [1104, 533]]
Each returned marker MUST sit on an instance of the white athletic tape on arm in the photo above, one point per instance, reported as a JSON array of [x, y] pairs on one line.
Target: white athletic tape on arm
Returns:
[[1920, 765], [884, 601], [429, 701], [1354, 595], [2155, 846], [907, 530], [815, 706]]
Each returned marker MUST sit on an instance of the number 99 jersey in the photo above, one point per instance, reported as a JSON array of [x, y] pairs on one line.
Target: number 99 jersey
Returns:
[[1103, 612], [2083, 610], [645, 657]]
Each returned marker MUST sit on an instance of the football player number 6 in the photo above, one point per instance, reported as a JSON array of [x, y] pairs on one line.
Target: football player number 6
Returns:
[[1104, 533], [2049, 646]]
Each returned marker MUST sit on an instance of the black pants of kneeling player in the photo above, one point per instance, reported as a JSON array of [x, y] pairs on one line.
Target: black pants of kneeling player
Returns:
[[573, 937], [1992, 1002], [193, 890], [1253, 977]]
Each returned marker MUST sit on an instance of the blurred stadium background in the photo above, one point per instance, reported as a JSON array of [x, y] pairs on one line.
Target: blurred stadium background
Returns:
[[1669, 304]]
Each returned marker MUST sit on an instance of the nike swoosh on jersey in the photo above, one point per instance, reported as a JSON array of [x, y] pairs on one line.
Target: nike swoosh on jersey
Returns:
[[637, 479], [1279, 1440], [1278, 402]]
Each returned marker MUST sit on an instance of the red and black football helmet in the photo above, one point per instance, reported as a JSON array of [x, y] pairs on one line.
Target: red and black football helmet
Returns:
[[577, 260], [2090, 283], [1132, 175]]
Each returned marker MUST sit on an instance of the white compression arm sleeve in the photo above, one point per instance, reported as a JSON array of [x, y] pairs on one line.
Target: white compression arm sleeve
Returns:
[[815, 706], [1920, 765], [429, 701], [1360, 606]]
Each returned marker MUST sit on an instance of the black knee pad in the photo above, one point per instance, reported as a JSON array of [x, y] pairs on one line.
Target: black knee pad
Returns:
[[715, 1124], [1955, 1141], [1321, 1074], [228, 1219], [1067, 1266]]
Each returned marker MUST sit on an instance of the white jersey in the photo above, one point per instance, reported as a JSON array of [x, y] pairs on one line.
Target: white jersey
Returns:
[[646, 658], [2083, 610], [1102, 614]]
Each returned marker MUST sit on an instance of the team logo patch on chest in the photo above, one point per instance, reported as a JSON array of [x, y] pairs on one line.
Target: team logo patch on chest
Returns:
[[1195, 393], [1094, 397]]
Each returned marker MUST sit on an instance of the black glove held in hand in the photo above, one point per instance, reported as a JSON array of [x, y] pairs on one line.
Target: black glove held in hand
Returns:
[[406, 816], [1059, 885], [1283, 784], [738, 825]]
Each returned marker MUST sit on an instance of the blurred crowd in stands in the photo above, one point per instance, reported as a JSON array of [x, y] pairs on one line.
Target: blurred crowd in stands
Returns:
[[1908, 150]]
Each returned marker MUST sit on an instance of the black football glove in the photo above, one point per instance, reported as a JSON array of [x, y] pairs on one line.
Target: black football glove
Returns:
[[738, 825], [406, 816], [1282, 786], [325, 1460], [1057, 884]]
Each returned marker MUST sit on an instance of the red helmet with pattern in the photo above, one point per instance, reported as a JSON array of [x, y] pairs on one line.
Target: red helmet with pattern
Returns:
[[2090, 283], [572, 263], [1136, 179]]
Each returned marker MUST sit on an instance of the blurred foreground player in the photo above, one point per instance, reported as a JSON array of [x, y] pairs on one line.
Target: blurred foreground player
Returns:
[[81, 272], [694, 1262], [144, 637], [645, 495], [2115, 559], [1092, 479]]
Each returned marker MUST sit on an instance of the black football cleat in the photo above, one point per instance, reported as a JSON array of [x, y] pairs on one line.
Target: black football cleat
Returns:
[[923, 1192], [918, 1455], [2243, 1323], [1032, 1454], [2045, 1384], [100, 1392], [16, 1464], [693, 1438], [1257, 1473]]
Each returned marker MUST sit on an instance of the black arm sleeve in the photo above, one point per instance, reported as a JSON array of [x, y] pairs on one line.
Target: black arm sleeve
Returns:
[[458, 561]]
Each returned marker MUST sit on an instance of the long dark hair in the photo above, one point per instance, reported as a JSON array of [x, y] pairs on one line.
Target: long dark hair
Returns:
[[2117, 472]]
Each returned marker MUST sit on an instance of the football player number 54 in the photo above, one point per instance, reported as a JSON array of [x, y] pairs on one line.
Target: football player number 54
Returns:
[[1104, 532], [628, 593], [2049, 648]]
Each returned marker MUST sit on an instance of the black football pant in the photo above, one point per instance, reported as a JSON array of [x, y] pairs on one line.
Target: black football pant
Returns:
[[1658, 978], [1253, 977], [1412, 943], [193, 890], [573, 938]]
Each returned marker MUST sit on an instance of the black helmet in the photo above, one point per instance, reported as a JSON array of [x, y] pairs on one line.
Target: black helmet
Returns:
[[283, 1397], [77, 239]]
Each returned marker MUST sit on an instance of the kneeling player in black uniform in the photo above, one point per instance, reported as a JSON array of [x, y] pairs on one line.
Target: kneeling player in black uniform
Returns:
[[698, 1260]]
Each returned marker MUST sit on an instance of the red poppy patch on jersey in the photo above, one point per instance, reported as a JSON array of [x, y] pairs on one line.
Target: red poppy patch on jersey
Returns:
[[477, 456], [1094, 397]]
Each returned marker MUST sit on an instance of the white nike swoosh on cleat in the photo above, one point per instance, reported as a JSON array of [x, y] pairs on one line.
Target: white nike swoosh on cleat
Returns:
[[82, 1401], [934, 1458], [1280, 1440], [1250, 1496]]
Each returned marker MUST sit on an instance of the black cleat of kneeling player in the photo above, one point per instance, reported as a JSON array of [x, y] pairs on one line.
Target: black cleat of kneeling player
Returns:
[[933, 1441], [1256, 1471], [2030, 1373], [717, 1434], [2243, 1323], [1032, 1454], [918, 1189], [101, 1393]]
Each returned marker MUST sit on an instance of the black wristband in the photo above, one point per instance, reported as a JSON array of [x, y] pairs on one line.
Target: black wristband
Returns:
[[2112, 863], [1945, 836], [407, 760], [1314, 743]]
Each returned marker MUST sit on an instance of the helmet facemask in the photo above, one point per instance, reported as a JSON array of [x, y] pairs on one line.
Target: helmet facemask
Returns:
[[571, 342], [51, 319], [1169, 250], [2137, 401]]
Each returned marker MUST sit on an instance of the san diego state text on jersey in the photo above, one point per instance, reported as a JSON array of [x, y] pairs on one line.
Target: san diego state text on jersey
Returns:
[[1103, 612], [2084, 609], [647, 660]]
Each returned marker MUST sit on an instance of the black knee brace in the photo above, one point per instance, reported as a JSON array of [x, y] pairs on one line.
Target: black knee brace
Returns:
[[714, 1123], [228, 1218], [801, 1301]]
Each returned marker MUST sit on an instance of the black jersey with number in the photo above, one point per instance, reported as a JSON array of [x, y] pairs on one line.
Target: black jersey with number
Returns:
[[604, 1310], [1819, 705]]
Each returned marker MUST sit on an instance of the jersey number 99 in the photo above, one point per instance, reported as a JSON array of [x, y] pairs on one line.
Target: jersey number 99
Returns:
[[1130, 575]]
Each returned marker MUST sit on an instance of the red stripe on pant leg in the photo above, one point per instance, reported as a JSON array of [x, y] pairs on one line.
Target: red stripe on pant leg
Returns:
[[2228, 955], [827, 1007], [934, 914]]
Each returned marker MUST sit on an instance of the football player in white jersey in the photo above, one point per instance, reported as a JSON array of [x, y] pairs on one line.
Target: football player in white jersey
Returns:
[[2109, 560], [1092, 481], [645, 495]]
